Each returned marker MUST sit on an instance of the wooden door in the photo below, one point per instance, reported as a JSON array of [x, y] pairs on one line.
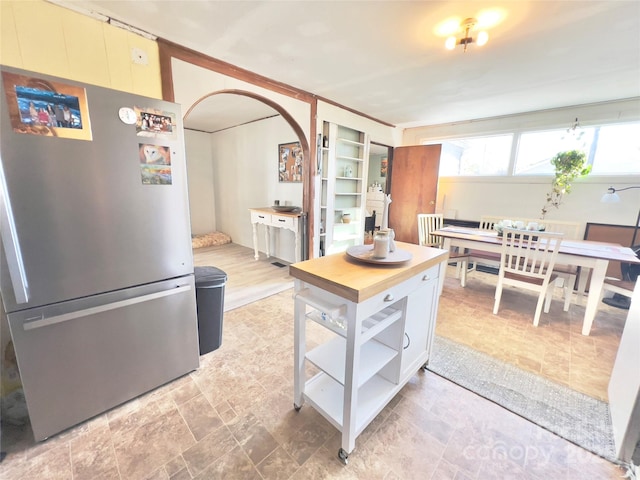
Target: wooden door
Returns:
[[413, 189]]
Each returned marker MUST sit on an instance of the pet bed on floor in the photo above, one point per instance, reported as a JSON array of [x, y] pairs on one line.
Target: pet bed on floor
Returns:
[[209, 239]]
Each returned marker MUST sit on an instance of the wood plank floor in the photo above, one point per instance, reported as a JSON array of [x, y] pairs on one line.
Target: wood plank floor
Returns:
[[248, 280]]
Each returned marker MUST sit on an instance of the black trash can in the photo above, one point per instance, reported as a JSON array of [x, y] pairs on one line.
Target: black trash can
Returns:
[[210, 282]]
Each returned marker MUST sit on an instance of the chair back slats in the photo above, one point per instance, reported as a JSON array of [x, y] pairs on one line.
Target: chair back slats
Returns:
[[571, 230], [427, 224], [530, 254], [487, 222]]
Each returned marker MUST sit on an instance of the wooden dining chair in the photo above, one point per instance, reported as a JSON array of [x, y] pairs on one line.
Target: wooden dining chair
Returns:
[[429, 223], [526, 261]]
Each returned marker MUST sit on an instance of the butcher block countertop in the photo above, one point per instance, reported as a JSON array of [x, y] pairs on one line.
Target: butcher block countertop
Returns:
[[357, 281]]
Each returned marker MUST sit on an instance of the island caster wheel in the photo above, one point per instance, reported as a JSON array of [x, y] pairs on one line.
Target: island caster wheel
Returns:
[[296, 407], [343, 456]]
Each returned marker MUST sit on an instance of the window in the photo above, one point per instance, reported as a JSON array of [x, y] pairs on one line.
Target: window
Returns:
[[612, 149], [618, 150], [536, 149], [476, 156]]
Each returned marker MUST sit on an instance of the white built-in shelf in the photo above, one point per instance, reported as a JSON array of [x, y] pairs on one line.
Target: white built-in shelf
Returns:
[[353, 159], [350, 142]]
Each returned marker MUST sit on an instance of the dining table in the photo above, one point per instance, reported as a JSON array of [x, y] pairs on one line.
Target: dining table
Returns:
[[580, 253]]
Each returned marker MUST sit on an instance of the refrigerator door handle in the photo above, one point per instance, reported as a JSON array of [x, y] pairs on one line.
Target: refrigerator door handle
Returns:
[[9, 236], [39, 322]]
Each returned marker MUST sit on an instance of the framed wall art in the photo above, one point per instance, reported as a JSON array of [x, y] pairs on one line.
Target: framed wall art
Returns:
[[384, 165], [41, 107], [155, 123], [155, 164], [290, 162]]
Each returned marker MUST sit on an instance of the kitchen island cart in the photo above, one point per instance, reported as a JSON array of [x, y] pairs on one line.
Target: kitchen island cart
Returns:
[[383, 321]]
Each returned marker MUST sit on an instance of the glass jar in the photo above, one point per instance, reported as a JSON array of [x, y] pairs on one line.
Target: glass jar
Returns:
[[380, 244]]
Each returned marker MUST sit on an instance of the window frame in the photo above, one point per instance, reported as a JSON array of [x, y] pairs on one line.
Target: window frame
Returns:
[[516, 139]]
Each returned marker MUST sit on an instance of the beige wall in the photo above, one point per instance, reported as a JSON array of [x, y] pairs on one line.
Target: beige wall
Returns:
[[45, 38]]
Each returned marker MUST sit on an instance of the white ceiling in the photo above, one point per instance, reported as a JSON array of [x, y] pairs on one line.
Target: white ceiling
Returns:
[[384, 59]]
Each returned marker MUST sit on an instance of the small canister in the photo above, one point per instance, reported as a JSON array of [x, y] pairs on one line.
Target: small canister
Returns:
[[381, 244], [348, 171]]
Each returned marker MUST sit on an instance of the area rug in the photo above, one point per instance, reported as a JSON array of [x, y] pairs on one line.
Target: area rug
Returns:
[[578, 418]]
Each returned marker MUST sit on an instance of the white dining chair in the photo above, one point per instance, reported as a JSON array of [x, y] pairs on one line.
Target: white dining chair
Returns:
[[429, 223], [526, 261], [478, 257]]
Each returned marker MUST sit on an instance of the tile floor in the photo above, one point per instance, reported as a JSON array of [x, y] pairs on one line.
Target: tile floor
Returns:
[[234, 419], [556, 349]]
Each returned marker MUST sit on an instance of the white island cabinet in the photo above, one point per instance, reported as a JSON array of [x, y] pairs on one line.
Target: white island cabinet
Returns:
[[383, 320]]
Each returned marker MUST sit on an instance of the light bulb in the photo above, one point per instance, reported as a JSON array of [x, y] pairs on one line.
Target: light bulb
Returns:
[[450, 44], [483, 37]]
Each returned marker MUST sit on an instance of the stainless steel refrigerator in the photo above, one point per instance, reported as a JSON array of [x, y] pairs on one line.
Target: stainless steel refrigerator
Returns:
[[96, 267]]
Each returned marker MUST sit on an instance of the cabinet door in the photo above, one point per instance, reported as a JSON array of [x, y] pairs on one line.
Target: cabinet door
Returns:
[[422, 306]]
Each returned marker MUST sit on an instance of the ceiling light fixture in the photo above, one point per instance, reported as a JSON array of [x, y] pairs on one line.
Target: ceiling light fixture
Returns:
[[467, 25]]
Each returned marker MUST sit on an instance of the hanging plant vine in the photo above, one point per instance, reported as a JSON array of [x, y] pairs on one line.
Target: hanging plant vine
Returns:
[[569, 165]]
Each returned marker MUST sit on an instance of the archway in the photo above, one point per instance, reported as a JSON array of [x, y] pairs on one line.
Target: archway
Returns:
[[285, 115], [218, 113]]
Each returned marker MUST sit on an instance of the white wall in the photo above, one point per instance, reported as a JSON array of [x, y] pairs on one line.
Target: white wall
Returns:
[[201, 180], [469, 198], [592, 114], [378, 132], [245, 175], [191, 83]]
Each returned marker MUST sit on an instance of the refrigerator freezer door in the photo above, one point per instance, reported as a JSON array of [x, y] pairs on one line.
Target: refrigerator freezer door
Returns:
[[80, 358], [82, 220]]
